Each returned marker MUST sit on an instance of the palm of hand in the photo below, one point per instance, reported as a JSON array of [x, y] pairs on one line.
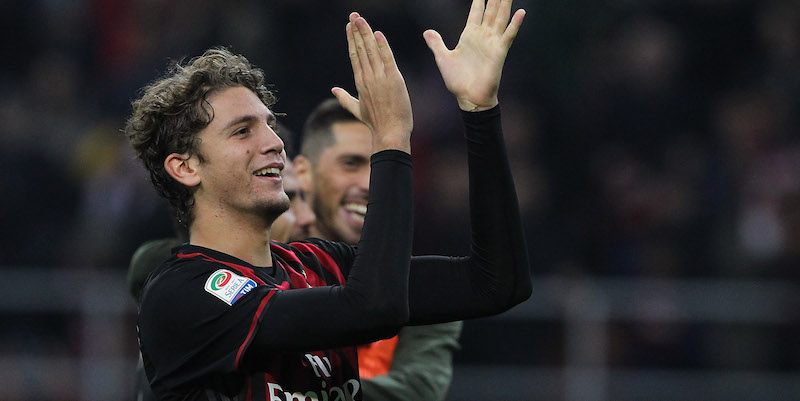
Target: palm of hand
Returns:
[[472, 69]]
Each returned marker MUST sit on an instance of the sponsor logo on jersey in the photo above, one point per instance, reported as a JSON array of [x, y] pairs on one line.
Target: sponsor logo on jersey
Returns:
[[346, 392], [228, 286]]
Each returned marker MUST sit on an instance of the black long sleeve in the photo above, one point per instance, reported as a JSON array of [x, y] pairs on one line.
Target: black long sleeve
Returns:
[[372, 304], [493, 278], [496, 274]]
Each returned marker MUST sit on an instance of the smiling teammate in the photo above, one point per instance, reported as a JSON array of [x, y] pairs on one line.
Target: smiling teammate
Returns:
[[234, 315], [333, 169]]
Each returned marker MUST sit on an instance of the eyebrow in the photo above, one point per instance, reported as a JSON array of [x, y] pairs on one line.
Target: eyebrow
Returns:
[[356, 156]]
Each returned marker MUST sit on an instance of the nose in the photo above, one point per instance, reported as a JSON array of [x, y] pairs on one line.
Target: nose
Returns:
[[271, 142]]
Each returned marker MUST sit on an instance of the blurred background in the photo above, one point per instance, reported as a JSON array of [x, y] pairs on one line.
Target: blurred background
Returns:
[[654, 144]]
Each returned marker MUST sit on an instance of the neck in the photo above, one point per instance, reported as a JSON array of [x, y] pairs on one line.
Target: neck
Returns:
[[243, 236]]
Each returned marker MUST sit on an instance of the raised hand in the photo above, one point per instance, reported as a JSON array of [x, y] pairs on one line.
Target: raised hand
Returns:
[[472, 70], [383, 103]]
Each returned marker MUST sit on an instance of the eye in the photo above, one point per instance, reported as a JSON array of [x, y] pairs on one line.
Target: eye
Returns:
[[351, 163], [242, 131]]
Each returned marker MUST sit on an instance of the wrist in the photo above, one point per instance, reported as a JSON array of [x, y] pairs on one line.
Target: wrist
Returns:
[[396, 142], [469, 106]]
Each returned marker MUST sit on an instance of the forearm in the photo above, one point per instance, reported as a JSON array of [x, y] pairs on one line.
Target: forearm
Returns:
[[373, 302], [496, 274], [498, 240]]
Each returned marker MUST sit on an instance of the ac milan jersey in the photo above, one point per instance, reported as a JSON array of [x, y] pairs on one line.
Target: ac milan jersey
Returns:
[[201, 309]]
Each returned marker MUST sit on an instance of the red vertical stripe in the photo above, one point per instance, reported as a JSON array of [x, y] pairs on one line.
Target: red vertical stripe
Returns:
[[253, 325], [327, 261], [285, 254], [314, 279], [297, 279]]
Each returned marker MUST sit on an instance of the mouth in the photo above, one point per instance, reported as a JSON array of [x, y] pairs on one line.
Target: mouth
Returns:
[[273, 172], [356, 211]]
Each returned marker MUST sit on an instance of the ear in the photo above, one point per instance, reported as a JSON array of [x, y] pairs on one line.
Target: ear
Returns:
[[302, 169], [183, 169]]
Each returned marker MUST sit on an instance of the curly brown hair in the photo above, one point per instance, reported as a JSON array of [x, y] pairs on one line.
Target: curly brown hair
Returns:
[[174, 109]]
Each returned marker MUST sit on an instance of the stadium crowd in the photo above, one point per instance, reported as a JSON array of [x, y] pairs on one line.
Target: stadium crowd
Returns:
[[649, 139]]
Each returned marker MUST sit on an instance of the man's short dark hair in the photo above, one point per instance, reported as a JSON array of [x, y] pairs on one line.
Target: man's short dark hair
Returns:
[[318, 132], [172, 110]]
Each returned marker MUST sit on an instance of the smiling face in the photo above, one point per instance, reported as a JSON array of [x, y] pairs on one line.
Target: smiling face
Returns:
[[242, 158], [341, 183]]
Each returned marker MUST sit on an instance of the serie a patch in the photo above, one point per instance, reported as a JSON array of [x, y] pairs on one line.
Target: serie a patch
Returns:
[[228, 286]]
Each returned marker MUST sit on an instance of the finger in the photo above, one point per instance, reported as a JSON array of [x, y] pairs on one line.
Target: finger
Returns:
[[355, 62], [370, 45], [347, 101], [435, 43], [490, 13], [361, 51], [475, 13], [386, 52], [513, 27], [503, 14]]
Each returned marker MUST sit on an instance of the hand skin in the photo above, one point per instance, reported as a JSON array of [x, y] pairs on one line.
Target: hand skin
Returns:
[[471, 71], [383, 103]]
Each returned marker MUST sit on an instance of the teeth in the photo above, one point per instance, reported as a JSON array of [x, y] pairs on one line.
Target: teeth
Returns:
[[272, 171], [356, 208]]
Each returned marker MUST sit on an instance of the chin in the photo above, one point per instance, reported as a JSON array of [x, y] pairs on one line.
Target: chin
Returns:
[[272, 210]]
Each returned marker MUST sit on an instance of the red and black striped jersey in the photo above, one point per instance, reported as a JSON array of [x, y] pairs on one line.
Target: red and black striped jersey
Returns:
[[200, 312]]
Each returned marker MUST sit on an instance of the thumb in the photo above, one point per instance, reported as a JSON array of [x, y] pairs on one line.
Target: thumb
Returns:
[[435, 43], [347, 101]]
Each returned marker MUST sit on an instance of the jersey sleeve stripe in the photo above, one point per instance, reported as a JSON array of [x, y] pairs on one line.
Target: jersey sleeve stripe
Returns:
[[327, 261], [253, 325]]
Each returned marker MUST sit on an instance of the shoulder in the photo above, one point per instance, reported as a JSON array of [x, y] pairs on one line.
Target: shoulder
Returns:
[[181, 267], [196, 277], [177, 280]]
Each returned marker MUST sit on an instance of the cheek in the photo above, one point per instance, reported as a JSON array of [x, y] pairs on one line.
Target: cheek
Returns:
[[338, 187], [236, 163], [327, 186], [328, 194]]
